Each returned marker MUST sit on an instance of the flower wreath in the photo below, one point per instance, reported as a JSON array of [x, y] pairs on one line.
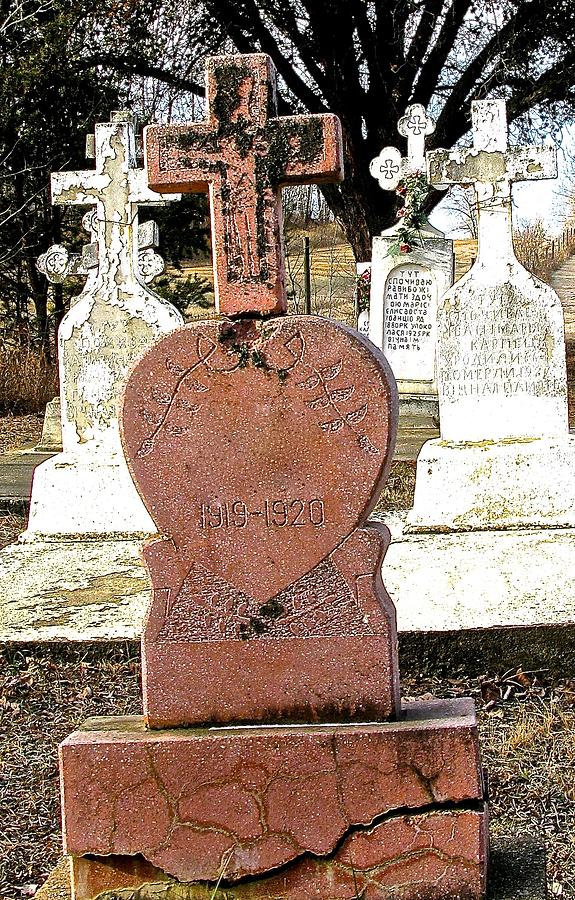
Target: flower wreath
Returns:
[[413, 190]]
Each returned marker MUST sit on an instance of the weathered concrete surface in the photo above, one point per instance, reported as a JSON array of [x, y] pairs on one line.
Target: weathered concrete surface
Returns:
[[504, 584], [16, 471], [480, 579], [72, 590]]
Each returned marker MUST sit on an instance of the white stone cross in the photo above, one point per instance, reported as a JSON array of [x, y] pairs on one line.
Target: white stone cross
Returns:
[[491, 167], [116, 187], [57, 263], [87, 488], [390, 166]]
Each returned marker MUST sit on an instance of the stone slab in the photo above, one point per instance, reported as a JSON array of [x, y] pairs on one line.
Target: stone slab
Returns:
[[263, 797], [72, 591], [493, 485], [480, 579], [469, 590], [436, 854], [516, 872]]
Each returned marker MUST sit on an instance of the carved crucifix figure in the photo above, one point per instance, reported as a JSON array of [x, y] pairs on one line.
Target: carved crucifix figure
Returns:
[[492, 167], [242, 155], [390, 167]]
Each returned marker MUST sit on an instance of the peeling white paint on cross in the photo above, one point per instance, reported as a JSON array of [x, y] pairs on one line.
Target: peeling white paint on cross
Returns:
[[491, 167], [117, 187], [390, 167], [57, 263]]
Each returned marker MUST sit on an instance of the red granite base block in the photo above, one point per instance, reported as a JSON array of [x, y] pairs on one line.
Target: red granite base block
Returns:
[[254, 799], [435, 855]]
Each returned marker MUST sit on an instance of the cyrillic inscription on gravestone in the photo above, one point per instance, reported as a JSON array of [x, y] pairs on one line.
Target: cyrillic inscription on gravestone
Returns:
[[235, 437], [410, 310], [501, 356], [242, 155]]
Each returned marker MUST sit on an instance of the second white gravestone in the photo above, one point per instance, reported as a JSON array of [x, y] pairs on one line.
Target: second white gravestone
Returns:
[[504, 458]]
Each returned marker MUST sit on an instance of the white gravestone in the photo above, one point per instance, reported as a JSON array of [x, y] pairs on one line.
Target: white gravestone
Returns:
[[405, 289], [57, 264], [86, 489], [505, 457]]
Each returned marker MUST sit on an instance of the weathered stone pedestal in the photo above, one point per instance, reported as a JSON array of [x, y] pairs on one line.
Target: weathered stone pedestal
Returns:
[[274, 758], [371, 807], [507, 484]]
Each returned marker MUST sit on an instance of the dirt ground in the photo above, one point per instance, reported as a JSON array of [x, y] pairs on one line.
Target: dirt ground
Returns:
[[527, 724]]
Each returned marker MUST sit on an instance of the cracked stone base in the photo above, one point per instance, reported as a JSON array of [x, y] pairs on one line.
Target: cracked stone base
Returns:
[[85, 495], [297, 811], [433, 855], [513, 484]]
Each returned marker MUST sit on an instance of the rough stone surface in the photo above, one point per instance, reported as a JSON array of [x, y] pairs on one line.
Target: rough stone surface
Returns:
[[462, 584], [442, 850], [264, 564], [480, 579], [243, 154], [115, 318], [260, 798], [511, 484], [516, 872]]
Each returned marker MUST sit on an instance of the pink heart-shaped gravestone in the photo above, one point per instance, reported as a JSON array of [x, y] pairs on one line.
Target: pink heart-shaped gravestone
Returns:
[[257, 447]]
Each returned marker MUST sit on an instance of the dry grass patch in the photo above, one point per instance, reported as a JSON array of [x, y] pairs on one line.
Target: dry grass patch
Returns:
[[399, 488], [27, 380], [17, 432]]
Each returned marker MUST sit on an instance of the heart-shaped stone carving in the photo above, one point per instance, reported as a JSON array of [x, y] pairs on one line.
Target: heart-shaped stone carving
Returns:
[[257, 447]]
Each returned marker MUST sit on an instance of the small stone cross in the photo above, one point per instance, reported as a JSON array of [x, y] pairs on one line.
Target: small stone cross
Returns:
[[116, 187], [491, 167], [57, 263], [390, 166], [242, 155]]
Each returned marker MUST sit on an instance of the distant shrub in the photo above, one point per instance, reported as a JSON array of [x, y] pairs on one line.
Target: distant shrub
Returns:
[[27, 380], [186, 293]]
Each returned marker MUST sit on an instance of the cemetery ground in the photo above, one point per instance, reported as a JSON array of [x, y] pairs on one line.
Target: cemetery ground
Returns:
[[527, 722], [527, 719]]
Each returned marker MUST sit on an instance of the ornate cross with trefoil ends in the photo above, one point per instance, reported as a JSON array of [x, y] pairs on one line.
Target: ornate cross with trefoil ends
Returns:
[[491, 167], [390, 167], [57, 263], [242, 155], [116, 187]]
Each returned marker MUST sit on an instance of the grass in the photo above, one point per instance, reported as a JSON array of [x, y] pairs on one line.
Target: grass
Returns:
[[27, 380]]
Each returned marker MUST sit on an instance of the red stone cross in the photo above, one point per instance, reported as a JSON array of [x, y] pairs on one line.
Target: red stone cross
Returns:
[[242, 155]]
